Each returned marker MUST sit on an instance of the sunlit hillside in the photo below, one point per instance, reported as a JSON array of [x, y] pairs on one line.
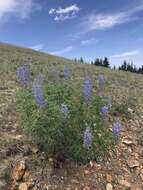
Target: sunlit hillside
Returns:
[[122, 169]]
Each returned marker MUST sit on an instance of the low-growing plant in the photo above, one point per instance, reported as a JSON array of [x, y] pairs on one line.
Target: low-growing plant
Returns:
[[66, 120], [7, 175], [121, 107]]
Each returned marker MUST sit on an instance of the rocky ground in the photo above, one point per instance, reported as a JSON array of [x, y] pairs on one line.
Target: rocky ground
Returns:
[[23, 166]]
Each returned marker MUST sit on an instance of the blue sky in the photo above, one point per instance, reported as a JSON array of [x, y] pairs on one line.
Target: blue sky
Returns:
[[75, 28]]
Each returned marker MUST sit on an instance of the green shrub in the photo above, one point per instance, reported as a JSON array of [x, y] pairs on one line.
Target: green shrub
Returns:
[[60, 132]]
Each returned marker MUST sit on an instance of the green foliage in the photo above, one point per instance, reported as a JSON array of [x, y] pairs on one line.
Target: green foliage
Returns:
[[121, 107], [7, 175], [57, 134]]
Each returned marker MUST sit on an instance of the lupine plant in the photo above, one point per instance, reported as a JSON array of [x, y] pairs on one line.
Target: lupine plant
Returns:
[[67, 73], [104, 112], [23, 74], [88, 138], [65, 110], [38, 92], [65, 119], [117, 128], [87, 90]]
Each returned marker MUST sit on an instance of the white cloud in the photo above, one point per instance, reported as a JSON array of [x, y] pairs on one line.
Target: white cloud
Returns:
[[63, 17], [125, 54], [73, 8], [38, 47], [62, 14], [19, 8], [104, 21], [52, 11], [89, 41], [65, 50]]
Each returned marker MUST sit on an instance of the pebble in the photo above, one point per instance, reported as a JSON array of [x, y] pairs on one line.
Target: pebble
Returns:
[[109, 178], [109, 186], [23, 186], [132, 163], [91, 164], [128, 142], [130, 110], [86, 172], [26, 186]]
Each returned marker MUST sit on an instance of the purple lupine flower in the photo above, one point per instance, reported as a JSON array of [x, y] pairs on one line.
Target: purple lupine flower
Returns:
[[67, 73], [23, 74], [87, 90], [101, 83], [87, 138], [65, 110], [38, 92], [117, 128], [104, 112]]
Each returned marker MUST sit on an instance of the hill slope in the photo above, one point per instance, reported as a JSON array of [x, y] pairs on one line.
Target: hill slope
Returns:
[[125, 166]]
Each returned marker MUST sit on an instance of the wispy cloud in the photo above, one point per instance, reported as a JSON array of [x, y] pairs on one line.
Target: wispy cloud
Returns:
[[19, 8], [62, 51], [62, 14], [89, 41], [38, 47], [103, 21], [125, 54]]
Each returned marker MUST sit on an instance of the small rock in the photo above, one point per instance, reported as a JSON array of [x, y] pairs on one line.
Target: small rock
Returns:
[[130, 110], [128, 142], [18, 137], [19, 171], [124, 183], [109, 186], [91, 164], [26, 186], [109, 178], [132, 163], [86, 172], [98, 167], [23, 186]]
